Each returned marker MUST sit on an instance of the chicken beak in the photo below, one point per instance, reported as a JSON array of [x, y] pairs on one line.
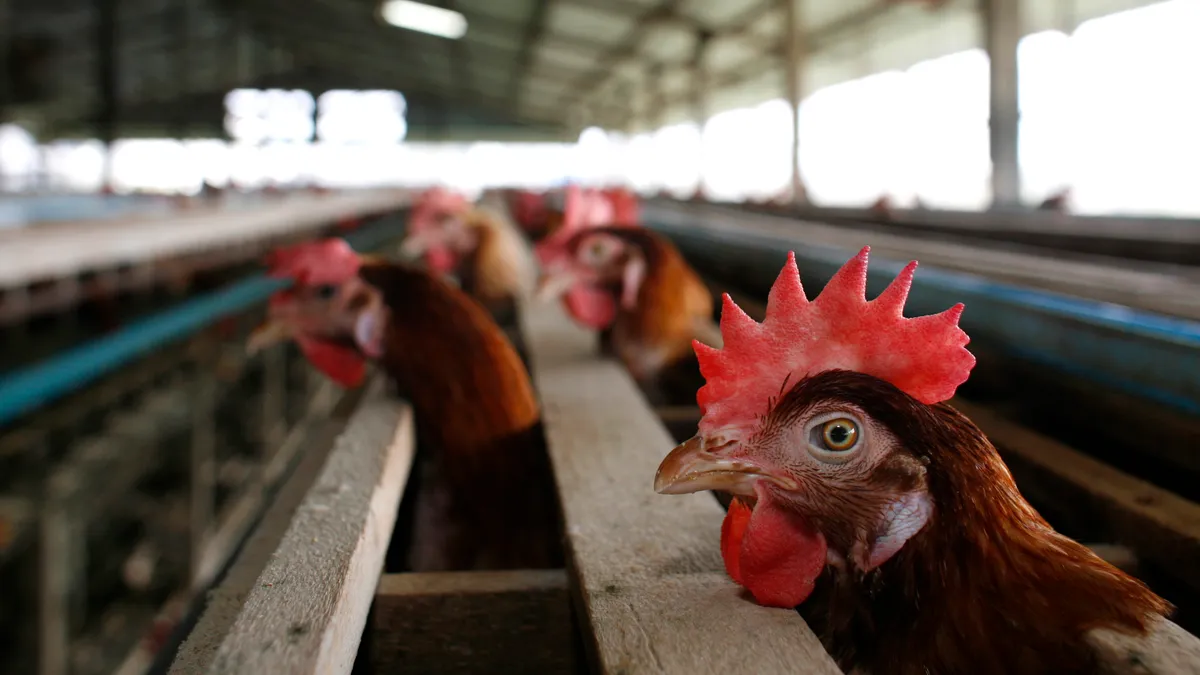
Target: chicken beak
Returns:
[[413, 246], [270, 333], [554, 285], [698, 465]]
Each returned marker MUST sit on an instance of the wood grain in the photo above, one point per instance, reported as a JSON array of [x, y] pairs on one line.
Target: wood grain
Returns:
[[307, 611], [468, 623], [646, 568]]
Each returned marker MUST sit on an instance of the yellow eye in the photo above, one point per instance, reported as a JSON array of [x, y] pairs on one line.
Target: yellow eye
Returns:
[[597, 251], [839, 435]]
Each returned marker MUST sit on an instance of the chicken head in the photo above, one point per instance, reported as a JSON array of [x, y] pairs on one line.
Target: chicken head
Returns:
[[335, 317], [436, 229], [816, 420]]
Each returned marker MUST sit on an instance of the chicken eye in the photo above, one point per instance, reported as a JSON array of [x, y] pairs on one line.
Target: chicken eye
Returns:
[[834, 438], [325, 291], [839, 435]]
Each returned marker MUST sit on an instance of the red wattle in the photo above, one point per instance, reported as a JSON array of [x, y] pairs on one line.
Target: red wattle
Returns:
[[733, 529], [441, 260], [591, 306], [341, 364], [771, 552]]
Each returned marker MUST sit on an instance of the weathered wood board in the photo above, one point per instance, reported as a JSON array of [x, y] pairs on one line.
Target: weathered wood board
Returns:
[[306, 612], [474, 623], [646, 568]]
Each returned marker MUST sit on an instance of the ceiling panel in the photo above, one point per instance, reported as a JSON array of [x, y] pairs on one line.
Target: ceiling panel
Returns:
[[582, 20], [513, 10], [668, 42], [554, 56], [718, 13]]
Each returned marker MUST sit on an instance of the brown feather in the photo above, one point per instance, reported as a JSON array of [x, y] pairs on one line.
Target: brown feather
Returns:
[[475, 409], [987, 586], [671, 302]]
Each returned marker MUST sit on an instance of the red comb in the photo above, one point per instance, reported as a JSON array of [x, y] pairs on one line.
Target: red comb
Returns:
[[923, 356], [625, 207], [325, 261]]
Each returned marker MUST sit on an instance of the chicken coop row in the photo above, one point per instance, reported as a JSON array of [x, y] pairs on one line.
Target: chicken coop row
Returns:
[[157, 460]]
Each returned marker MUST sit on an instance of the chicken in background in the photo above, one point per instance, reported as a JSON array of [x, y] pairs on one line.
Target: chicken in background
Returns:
[[884, 514], [660, 304], [1059, 202], [480, 245], [530, 212], [481, 457]]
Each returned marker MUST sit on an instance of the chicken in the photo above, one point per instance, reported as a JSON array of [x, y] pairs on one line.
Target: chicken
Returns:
[[884, 514], [482, 455], [429, 209], [530, 212], [589, 304], [660, 304], [489, 255], [1059, 202]]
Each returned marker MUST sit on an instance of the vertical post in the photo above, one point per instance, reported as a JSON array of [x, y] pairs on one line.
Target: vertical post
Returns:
[[699, 89], [244, 51], [793, 71], [54, 584], [274, 399], [106, 81], [179, 17], [653, 112], [1002, 29], [203, 461]]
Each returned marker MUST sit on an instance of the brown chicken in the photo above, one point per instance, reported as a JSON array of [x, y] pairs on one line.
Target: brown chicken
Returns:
[[661, 303], [480, 245], [482, 452], [884, 514]]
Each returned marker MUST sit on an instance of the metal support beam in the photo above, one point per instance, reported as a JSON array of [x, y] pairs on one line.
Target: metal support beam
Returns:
[[653, 98], [699, 80], [793, 70], [626, 49], [459, 58], [178, 18], [107, 91], [529, 46], [1002, 29]]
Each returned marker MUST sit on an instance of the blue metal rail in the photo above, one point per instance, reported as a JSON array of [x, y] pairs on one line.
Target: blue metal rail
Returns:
[[29, 388]]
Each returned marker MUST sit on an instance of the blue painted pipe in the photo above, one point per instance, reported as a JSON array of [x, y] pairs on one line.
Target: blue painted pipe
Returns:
[[29, 388]]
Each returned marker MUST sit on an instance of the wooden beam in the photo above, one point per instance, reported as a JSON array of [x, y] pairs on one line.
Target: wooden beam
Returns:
[[652, 588], [308, 608], [466, 623]]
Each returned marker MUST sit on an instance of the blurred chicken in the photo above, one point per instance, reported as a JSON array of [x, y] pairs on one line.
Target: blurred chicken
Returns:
[[481, 245], [1059, 202], [482, 457], [881, 511], [590, 304], [530, 212], [660, 304]]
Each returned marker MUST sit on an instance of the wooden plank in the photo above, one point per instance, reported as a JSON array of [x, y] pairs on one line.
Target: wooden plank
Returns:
[[465, 623], [307, 610], [647, 568], [1161, 526], [49, 251]]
